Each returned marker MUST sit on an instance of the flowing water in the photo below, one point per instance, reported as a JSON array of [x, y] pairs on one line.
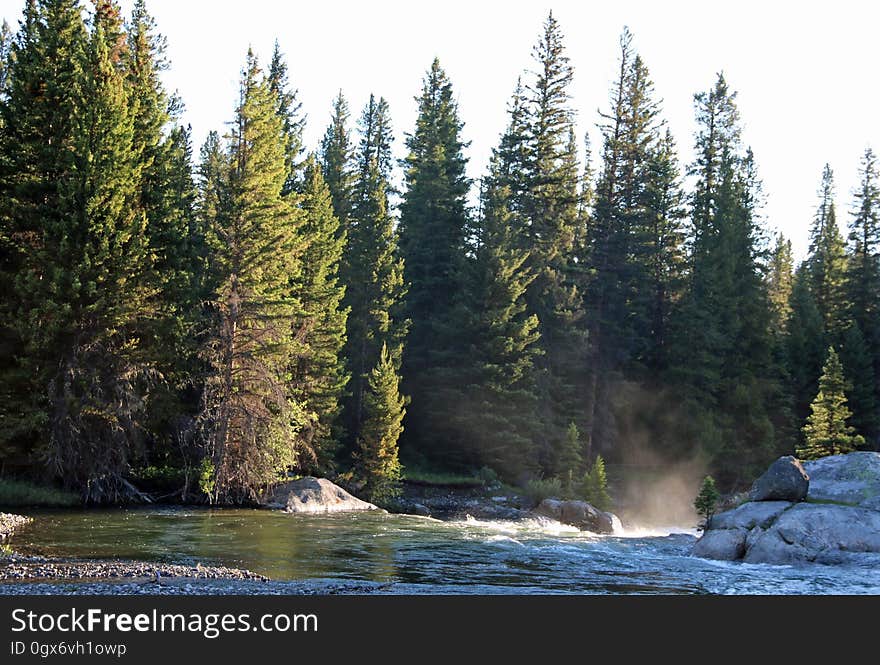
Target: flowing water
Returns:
[[406, 554]]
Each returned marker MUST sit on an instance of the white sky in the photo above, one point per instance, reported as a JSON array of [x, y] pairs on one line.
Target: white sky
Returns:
[[806, 72]]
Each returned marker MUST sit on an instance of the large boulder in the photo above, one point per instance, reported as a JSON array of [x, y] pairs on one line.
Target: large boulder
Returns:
[[785, 480], [852, 479], [579, 514], [820, 533], [314, 495], [838, 523], [749, 515], [723, 544]]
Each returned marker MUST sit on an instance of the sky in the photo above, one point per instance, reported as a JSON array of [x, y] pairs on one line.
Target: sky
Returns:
[[806, 72]]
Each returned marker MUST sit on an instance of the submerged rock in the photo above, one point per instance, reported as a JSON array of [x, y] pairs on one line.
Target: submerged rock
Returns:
[[785, 480], [852, 479], [314, 495], [579, 514]]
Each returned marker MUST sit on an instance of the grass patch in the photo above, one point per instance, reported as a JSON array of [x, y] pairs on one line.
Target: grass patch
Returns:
[[18, 493]]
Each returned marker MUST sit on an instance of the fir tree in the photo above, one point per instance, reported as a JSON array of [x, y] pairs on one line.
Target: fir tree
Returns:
[[827, 259], [499, 423], [706, 501], [319, 375], [826, 431], [594, 487], [337, 155], [569, 458], [862, 290], [377, 462], [372, 267], [289, 109], [250, 417], [433, 222], [780, 278]]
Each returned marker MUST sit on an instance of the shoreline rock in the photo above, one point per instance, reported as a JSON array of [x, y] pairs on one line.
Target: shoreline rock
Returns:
[[314, 496], [839, 523]]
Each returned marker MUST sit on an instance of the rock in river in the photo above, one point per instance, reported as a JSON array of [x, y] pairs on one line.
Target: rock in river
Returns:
[[852, 479], [314, 495], [785, 480], [576, 513], [838, 523]]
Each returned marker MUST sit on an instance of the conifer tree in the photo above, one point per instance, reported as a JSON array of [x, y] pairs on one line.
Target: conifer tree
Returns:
[[319, 376], [496, 421], [724, 346], [377, 463], [827, 431], [863, 299], [594, 487], [433, 223], [780, 278], [548, 218], [80, 295], [337, 156], [569, 460], [805, 345], [250, 417], [827, 259], [289, 109], [372, 269]]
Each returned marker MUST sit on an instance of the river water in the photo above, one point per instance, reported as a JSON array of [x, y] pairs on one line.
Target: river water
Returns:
[[413, 555]]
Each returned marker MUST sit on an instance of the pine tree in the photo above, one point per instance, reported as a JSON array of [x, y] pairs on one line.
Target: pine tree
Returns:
[[548, 218], [167, 196], [706, 501], [498, 424], [863, 299], [372, 270], [780, 278], [337, 156], [569, 460], [377, 463], [289, 109], [805, 346], [319, 375], [594, 487], [250, 418], [827, 259], [71, 177], [433, 223], [858, 366], [826, 431], [724, 345]]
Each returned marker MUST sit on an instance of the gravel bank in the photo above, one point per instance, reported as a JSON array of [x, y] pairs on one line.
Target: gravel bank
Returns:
[[16, 567]]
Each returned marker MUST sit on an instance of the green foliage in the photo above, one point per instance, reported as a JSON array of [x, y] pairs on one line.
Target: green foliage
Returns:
[[207, 477], [538, 489], [594, 486], [706, 501], [250, 418], [21, 493], [827, 431], [433, 222], [377, 464]]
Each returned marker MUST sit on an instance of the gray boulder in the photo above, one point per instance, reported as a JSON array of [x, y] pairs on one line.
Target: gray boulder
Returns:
[[852, 479], [314, 495], [722, 544], [819, 533], [785, 480], [750, 515], [579, 514]]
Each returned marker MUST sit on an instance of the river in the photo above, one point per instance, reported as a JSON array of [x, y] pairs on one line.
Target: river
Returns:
[[380, 553]]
